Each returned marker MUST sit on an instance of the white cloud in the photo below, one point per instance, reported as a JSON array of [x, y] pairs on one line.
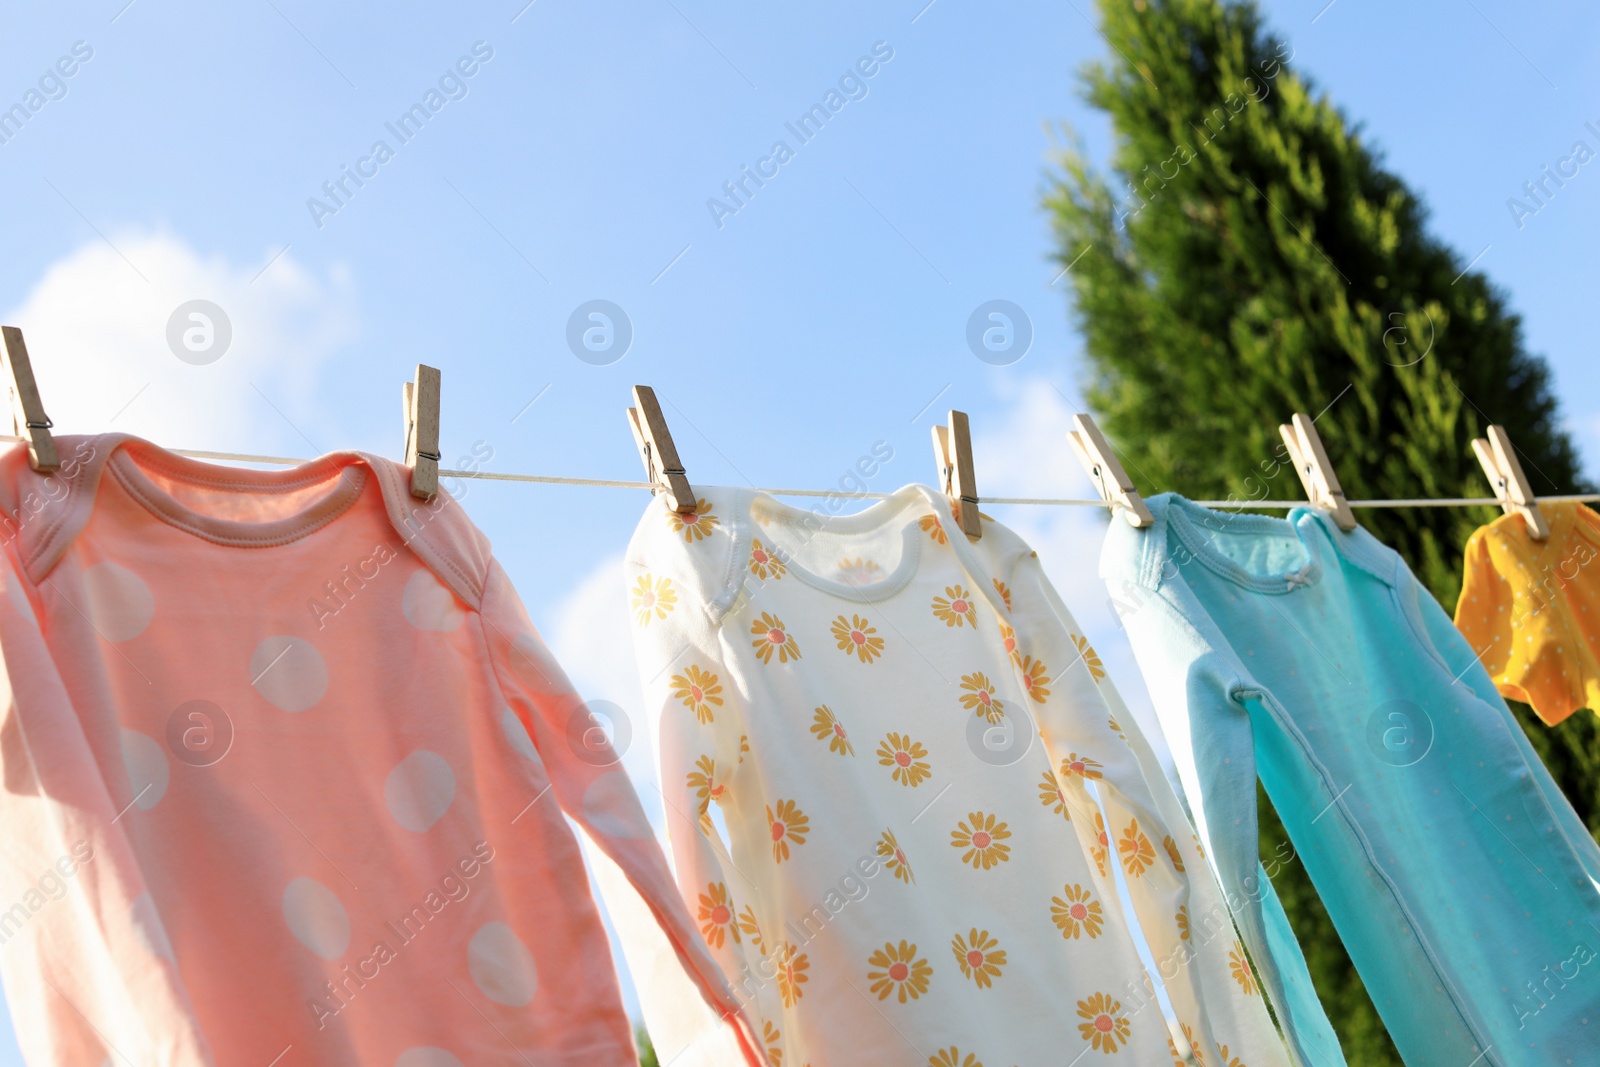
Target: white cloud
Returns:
[[97, 335], [1028, 454]]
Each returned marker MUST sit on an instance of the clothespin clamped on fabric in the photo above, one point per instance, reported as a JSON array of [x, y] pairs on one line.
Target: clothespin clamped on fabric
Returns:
[[1316, 473], [1110, 480], [661, 463], [1504, 471], [421, 405], [28, 419], [952, 451]]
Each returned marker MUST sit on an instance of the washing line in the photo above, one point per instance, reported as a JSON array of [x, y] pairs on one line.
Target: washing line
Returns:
[[611, 483]]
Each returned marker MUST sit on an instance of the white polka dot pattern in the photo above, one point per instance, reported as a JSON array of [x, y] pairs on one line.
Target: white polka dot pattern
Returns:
[[289, 673], [147, 925], [117, 601], [612, 807], [428, 605], [419, 790], [534, 665], [502, 967], [426, 1057], [316, 918], [517, 734], [19, 598], [147, 768]]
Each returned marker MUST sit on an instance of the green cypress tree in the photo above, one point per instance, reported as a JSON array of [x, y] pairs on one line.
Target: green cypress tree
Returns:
[[1246, 256]]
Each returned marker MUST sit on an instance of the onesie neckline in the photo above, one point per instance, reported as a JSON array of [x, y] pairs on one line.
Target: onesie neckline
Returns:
[[1185, 519], [879, 515], [345, 476]]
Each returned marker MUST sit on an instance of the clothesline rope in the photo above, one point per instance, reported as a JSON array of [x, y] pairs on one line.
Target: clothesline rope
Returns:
[[610, 483]]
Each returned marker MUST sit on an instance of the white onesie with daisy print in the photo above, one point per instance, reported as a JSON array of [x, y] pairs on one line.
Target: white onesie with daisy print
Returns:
[[900, 794]]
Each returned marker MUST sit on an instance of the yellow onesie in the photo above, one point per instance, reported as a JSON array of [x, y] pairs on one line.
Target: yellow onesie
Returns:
[[1532, 609]]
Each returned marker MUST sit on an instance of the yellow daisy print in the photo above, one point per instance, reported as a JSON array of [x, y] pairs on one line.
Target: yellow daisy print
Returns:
[[1136, 851], [744, 746], [894, 858], [977, 696], [855, 635], [696, 525], [1172, 1047], [1034, 678], [981, 835], [771, 636], [717, 922], [898, 970], [751, 929], [1183, 922], [1115, 727], [700, 692], [955, 608], [1051, 796], [763, 563], [930, 526], [772, 1037], [1004, 591], [1172, 853], [1076, 912], [1198, 847], [792, 969], [1106, 1028], [1194, 1045], [703, 781], [825, 724], [979, 956], [1082, 766], [1228, 1061], [858, 572], [907, 757], [1102, 846], [1239, 967], [1008, 638], [1091, 660], [951, 1057], [789, 824], [653, 598]]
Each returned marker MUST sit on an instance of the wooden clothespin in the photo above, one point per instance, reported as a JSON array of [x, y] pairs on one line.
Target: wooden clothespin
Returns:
[[1110, 480], [1316, 473], [1504, 471], [661, 463], [421, 403], [952, 451], [28, 419]]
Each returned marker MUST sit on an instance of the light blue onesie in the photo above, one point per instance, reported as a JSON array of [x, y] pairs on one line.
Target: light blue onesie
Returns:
[[1463, 885]]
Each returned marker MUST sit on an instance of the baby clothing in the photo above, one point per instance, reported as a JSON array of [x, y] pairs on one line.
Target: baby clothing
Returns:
[[287, 778], [902, 798], [1532, 609], [1459, 878]]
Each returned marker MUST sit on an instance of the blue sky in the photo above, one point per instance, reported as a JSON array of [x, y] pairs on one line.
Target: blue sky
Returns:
[[575, 163]]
